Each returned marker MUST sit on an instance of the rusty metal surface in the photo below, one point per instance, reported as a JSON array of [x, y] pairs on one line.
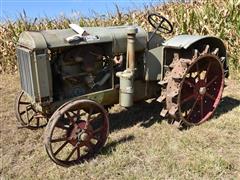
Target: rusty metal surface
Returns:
[[193, 87]]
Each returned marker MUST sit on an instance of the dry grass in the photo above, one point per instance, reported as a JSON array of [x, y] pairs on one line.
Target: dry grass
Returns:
[[208, 17], [141, 145]]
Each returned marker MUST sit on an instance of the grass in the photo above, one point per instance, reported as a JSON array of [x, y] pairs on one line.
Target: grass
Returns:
[[207, 17], [141, 145]]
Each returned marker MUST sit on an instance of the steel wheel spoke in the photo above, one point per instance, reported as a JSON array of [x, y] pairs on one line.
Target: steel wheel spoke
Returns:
[[23, 112], [59, 139], [90, 114], [198, 74], [33, 109], [89, 145], [97, 130], [61, 147], [210, 96], [193, 107], [189, 83], [30, 120], [89, 117], [70, 155], [214, 79], [207, 71], [62, 126], [95, 138], [96, 118], [201, 109], [78, 153], [187, 99], [70, 118], [25, 103], [38, 122], [75, 114]]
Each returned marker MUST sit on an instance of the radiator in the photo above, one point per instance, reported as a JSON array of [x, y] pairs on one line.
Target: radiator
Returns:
[[25, 67]]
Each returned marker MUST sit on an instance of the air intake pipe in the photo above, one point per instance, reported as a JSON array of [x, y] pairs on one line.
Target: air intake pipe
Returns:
[[126, 91], [131, 35]]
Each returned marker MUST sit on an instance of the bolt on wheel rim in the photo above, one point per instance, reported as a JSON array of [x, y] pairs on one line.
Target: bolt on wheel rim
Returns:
[[201, 90]]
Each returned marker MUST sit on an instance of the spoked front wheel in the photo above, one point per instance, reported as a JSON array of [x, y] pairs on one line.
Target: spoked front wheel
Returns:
[[76, 131], [26, 113]]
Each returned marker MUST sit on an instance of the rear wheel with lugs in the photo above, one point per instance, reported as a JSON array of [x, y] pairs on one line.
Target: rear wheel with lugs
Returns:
[[192, 89], [76, 132]]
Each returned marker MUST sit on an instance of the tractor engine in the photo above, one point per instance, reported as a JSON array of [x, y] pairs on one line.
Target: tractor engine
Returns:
[[80, 70], [54, 66]]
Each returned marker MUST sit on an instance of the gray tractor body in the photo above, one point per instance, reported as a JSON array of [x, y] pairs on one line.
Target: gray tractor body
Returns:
[[52, 70]]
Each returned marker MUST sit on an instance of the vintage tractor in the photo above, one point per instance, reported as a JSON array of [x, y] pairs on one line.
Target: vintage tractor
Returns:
[[69, 76]]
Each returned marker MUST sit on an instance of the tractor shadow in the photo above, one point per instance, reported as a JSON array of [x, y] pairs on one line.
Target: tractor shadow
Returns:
[[111, 147], [149, 113], [227, 104], [143, 112]]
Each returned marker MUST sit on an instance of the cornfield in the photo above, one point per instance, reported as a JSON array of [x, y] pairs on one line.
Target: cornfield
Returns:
[[219, 18]]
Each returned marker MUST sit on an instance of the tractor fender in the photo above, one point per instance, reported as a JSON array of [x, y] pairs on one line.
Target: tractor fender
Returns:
[[188, 41]]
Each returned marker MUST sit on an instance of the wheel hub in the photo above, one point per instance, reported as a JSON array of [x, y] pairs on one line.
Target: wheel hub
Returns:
[[202, 90], [76, 133]]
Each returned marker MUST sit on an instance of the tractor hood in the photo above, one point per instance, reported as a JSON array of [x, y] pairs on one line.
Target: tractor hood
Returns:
[[117, 35]]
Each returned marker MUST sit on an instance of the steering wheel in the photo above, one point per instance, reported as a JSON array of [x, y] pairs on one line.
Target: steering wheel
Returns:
[[160, 23]]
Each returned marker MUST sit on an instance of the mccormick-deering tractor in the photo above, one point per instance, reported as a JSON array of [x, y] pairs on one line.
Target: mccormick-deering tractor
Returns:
[[69, 76]]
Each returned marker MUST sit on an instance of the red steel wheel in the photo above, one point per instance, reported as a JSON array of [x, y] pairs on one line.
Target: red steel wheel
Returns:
[[26, 114], [76, 131], [201, 90], [192, 87]]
